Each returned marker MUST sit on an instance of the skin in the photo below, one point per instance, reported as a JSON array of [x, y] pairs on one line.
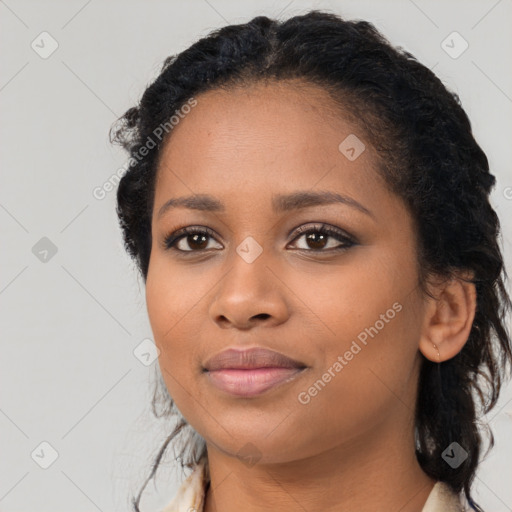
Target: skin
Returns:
[[351, 447]]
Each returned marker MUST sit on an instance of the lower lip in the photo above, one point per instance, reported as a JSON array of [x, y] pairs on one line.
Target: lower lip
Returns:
[[251, 382]]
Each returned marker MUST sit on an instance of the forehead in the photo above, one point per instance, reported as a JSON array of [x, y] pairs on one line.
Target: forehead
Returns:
[[263, 137], [276, 112]]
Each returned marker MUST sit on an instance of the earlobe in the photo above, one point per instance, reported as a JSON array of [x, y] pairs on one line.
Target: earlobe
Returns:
[[448, 319]]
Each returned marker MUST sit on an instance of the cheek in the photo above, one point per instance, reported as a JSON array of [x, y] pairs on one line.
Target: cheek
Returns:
[[345, 299], [167, 307], [171, 296], [173, 302], [368, 319], [362, 382]]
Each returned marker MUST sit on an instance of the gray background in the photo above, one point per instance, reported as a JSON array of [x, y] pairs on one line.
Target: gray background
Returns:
[[70, 323]]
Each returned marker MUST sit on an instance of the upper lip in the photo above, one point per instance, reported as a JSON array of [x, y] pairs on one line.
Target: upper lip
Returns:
[[244, 359]]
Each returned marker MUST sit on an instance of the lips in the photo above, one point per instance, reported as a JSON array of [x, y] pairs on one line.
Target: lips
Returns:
[[251, 372], [247, 359]]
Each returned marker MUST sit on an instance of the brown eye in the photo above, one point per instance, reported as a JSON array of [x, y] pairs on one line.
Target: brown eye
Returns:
[[323, 238], [317, 240], [195, 238], [195, 241]]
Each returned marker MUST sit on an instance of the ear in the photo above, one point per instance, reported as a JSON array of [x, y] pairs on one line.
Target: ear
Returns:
[[448, 318]]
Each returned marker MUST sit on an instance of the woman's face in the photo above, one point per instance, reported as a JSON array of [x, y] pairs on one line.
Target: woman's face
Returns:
[[350, 311]]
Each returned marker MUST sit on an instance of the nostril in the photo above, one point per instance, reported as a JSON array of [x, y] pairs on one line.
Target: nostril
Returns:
[[262, 315]]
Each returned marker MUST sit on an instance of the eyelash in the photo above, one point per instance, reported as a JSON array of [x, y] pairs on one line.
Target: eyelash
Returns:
[[347, 241]]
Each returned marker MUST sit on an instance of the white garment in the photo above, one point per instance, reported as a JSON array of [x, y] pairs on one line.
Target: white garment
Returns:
[[191, 494]]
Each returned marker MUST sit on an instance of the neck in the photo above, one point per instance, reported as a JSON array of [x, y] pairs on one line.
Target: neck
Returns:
[[378, 471]]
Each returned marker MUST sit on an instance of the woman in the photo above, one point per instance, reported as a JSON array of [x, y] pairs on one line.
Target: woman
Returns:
[[310, 213]]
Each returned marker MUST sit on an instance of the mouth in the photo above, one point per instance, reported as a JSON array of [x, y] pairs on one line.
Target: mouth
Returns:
[[251, 372]]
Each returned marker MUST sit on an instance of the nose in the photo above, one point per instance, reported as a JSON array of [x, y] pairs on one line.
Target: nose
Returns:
[[249, 295]]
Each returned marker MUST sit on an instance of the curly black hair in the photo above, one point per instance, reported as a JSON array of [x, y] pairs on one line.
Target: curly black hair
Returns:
[[427, 156]]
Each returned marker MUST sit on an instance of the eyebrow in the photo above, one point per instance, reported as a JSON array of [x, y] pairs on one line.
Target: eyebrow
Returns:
[[280, 203]]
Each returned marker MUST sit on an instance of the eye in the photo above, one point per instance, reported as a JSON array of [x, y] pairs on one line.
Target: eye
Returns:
[[317, 238], [195, 237]]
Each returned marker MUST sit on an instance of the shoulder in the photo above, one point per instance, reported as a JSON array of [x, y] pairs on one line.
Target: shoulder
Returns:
[[191, 494]]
